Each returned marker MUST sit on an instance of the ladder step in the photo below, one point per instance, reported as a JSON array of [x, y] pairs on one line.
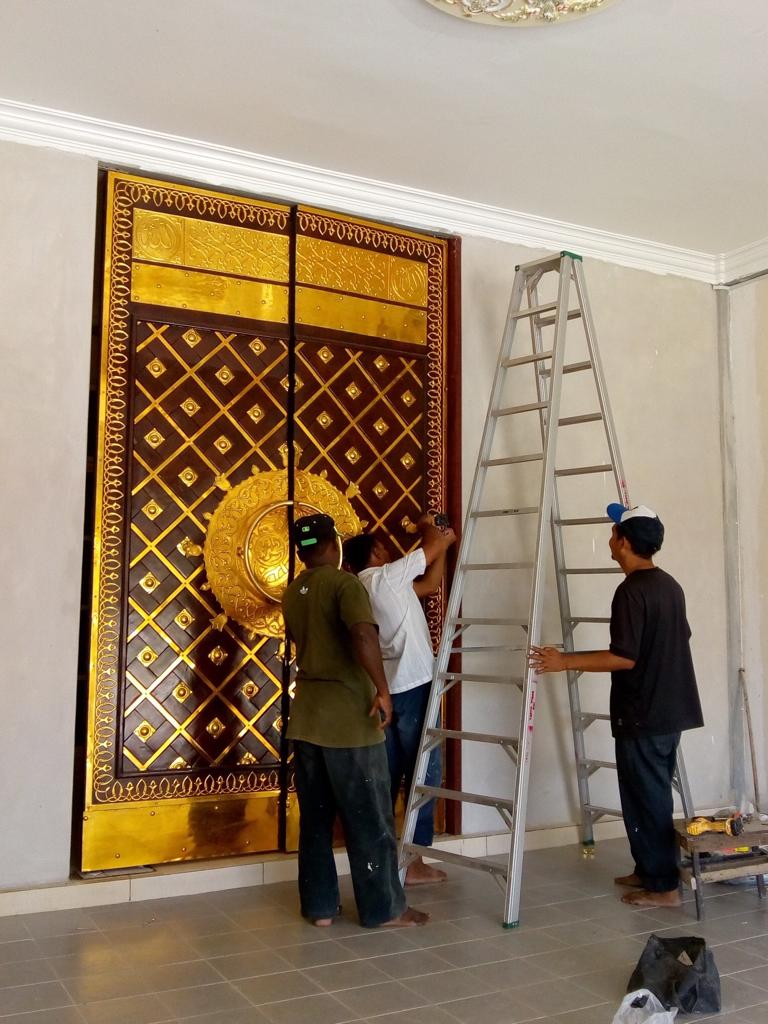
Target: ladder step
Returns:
[[569, 367], [593, 765], [492, 512], [533, 310], [463, 621], [459, 796], [513, 410], [479, 566], [485, 649], [591, 572], [474, 677], [474, 737], [599, 812], [512, 460], [579, 470], [588, 717], [550, 321], [587, 521], [535, 357], [544, 264], [587, 618], [448, 857], [590, 417]]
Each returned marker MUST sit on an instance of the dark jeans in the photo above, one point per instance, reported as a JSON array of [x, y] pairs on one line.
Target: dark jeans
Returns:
[[403, 736], [352, 782], [645, 766]]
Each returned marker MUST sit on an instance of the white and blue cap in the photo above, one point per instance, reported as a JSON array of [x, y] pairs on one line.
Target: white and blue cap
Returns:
[[618, 513], [640, 525]]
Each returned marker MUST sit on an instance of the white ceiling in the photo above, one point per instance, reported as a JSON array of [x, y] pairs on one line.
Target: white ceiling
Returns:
[[647, 119]]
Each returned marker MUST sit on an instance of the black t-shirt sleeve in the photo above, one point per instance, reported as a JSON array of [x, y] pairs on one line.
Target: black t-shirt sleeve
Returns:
[[627, 621]]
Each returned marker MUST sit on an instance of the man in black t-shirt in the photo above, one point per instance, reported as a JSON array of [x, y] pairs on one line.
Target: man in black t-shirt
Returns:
[[653, 698]]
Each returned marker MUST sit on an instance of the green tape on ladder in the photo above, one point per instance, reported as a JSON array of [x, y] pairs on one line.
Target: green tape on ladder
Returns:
[[573, 255]]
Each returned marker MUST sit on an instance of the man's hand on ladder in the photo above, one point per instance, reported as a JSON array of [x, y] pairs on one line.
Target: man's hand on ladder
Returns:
[[546, 659]]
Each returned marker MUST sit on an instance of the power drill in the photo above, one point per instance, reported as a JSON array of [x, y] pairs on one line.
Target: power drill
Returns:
[[732, 826]]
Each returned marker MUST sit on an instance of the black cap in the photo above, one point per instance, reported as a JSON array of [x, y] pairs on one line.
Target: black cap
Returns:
[[309, 531]]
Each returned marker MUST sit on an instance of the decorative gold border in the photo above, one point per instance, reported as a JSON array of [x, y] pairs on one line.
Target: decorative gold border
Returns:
[[123, 193]]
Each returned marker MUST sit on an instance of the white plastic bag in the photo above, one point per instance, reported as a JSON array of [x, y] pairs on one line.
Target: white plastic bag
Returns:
[[642, 1007]]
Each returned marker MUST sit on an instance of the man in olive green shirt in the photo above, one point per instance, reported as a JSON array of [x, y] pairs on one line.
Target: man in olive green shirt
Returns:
[[341, 707]]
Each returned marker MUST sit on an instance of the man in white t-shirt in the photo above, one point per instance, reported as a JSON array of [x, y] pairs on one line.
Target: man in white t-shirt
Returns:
[[395, 589]]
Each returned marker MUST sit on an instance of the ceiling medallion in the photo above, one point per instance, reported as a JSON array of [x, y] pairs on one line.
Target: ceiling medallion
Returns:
[[519, 12]]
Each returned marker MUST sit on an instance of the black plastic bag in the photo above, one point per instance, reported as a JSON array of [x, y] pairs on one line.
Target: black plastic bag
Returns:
[[681, 972]]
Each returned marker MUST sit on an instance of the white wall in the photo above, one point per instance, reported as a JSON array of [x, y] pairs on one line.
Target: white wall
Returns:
[[658, 342], [47, 208], [748, 339], [657, 338]]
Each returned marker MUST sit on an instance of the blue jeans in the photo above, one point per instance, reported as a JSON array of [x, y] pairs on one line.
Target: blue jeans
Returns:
[[350, 782], [402, 739], [645, 767]]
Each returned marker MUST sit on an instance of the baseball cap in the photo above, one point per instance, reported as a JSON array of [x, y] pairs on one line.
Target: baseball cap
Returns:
[[309, 531], [620, 513]]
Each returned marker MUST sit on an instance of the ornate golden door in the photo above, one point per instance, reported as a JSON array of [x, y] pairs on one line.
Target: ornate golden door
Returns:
[[253, 354]]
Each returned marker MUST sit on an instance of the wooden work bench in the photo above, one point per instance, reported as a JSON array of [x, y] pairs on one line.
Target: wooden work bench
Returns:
[[699, 871]]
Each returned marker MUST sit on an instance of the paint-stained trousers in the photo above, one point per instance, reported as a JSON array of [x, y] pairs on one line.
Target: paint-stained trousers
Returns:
[[352, 782], [645, 766]]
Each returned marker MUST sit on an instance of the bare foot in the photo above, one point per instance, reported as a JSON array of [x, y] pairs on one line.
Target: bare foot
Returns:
[[409, 918], [419, 873], [643, 898], [322, 922], [633, 881]]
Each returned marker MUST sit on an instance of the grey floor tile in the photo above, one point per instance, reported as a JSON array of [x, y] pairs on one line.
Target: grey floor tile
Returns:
[[61, 1015], [754, 1014], [44, 996], [190, 1002], [421, 1015], [321, 1009], [91, 988], [492, 1008], [386, 997], [351, 974], [14, 952], [71, 945], [584, 932], [274, 988], [228, 944], [250, 965], [96, 961], [314, 954], [28, 972], [412, 964], [14, 928], [736, 994], [757, 976], [447, 985], [144, 1009], [380, 942], [557, 996], [188, 975], [603, 1013], [474, 952], [509, 974], [608, 984], [246, 1016], [60, 922], [431, 935]]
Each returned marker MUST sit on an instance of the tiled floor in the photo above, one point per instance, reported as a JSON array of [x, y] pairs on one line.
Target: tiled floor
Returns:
[[245, 956]]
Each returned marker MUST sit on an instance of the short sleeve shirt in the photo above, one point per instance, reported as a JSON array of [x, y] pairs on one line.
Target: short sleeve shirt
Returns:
[[649, 626], [406, 646], [334, 693]]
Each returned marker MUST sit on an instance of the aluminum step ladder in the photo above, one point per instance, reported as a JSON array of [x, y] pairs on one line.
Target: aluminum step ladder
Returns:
[[466, 628]]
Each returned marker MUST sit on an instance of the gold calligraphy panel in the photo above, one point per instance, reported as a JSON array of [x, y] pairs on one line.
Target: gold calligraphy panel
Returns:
[[207, 245], [338, 312], [364, 271]]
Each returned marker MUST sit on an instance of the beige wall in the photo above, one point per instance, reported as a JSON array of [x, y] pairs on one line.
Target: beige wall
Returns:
[[658, 342], [46, 274], [748, 341]]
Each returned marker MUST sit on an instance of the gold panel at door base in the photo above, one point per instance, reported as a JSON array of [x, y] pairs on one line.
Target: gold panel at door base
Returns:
[[157, 832], [209, 293], [206, 245], [319, 308]]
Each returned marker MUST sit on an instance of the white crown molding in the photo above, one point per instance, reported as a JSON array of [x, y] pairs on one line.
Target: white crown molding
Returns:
[[216, 165], [743, 262]]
